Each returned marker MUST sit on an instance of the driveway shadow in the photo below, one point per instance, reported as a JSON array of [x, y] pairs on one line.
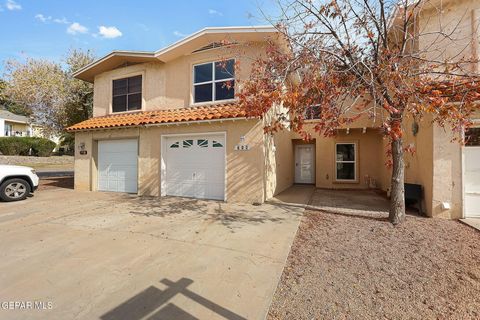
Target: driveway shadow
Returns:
[[231, 216], [155, 304]]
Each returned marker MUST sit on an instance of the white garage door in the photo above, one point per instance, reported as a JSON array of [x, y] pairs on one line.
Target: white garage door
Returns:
[[195, 166], [117, 165], [472, 181]]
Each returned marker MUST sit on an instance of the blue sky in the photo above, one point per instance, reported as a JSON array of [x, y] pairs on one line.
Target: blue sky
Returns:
[[48, 28]]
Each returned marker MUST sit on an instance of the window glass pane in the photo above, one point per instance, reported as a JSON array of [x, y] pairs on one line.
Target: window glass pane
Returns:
[[345, 171], [119, 87], [472, 137], [135, 84], [175, 145], [216, 144], [202, 143], [203, 92], [135, 101], [119, 104], [312, 112], [224, 69], [224, 90], [203, 73], [187, 143], [345, 152]]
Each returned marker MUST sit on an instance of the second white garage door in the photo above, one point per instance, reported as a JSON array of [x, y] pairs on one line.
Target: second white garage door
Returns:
[[472, 182], [117, 165], [195, 166]]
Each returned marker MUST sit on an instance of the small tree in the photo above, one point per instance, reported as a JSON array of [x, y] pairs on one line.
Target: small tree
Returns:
[[47, 91], [358, 58]]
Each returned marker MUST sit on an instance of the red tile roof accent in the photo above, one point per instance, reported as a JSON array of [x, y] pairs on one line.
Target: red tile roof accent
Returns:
[[211, 112]]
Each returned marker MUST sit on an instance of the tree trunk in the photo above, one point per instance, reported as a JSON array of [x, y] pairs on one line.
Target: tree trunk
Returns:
[[397, 194]]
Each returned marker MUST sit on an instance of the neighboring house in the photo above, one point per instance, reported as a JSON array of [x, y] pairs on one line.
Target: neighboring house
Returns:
[[14, 125], [166, 123]]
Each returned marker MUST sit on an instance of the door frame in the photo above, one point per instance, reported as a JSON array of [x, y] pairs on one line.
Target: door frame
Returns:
[[163, 152], [314, 174], [476, 124]]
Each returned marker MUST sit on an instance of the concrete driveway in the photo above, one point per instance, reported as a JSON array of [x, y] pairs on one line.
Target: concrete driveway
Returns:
[[83, 255]]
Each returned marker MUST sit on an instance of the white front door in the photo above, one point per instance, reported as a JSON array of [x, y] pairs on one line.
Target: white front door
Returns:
[[472, 181], [117, 165], [305, 163], [195, 166]]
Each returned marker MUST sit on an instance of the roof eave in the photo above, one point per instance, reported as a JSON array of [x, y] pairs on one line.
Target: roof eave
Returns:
[[118, 53]]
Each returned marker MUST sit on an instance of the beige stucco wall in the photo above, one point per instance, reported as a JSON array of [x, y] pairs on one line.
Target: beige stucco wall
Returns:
[[279, 162], [21, 127], [169, 85], [245, 169], [438, 162], [369, 157], [459, 20]]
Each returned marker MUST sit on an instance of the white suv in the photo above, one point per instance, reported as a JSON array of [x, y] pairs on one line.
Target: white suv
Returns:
[[17, 182]]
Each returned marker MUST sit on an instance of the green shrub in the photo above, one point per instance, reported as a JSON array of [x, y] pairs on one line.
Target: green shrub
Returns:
[[42, 147], [14, 146], [24, 146]]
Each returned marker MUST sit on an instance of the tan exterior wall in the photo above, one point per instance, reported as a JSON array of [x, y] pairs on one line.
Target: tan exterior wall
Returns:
[[369, 158], [245, 169], [21, 127], [459, 19], [169, 85], [279, 163], [438, 162]]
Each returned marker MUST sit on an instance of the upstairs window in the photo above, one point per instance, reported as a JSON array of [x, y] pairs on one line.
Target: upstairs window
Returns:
[[127, 94], [312, 112], [214, 81]]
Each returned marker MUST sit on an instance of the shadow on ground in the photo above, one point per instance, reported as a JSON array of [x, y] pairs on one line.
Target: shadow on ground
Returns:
[[155, 304], [56, 182], [231, 215], [362, 204]]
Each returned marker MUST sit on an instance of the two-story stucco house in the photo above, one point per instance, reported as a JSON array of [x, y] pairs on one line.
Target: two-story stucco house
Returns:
[[166, 123]]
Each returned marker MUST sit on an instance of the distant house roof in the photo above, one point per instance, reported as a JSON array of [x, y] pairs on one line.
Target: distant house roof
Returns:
[[7, 115]]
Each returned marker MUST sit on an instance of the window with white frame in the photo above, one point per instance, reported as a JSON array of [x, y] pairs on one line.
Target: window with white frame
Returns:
[[345, 162], [214, 81]]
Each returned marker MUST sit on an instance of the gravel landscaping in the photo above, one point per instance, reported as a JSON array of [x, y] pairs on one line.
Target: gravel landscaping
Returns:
[[358, 266]]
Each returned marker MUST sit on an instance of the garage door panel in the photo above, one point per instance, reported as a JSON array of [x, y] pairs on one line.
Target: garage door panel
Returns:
[[195, 168], [472, 205], [472, 181], [117, 168]]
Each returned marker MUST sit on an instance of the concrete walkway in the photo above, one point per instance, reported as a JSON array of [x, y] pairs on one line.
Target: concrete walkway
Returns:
[[114, 256], [472, 222], [359, 203]]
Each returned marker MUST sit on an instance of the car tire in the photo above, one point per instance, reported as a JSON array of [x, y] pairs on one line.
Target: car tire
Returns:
[[14, 190]]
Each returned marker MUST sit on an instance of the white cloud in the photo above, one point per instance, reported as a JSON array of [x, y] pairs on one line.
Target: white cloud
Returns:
[[179, 34], [109, 32], [12, 5], [61, 21], [42, 18], [214, 12], [76, 27], [45, 19]]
